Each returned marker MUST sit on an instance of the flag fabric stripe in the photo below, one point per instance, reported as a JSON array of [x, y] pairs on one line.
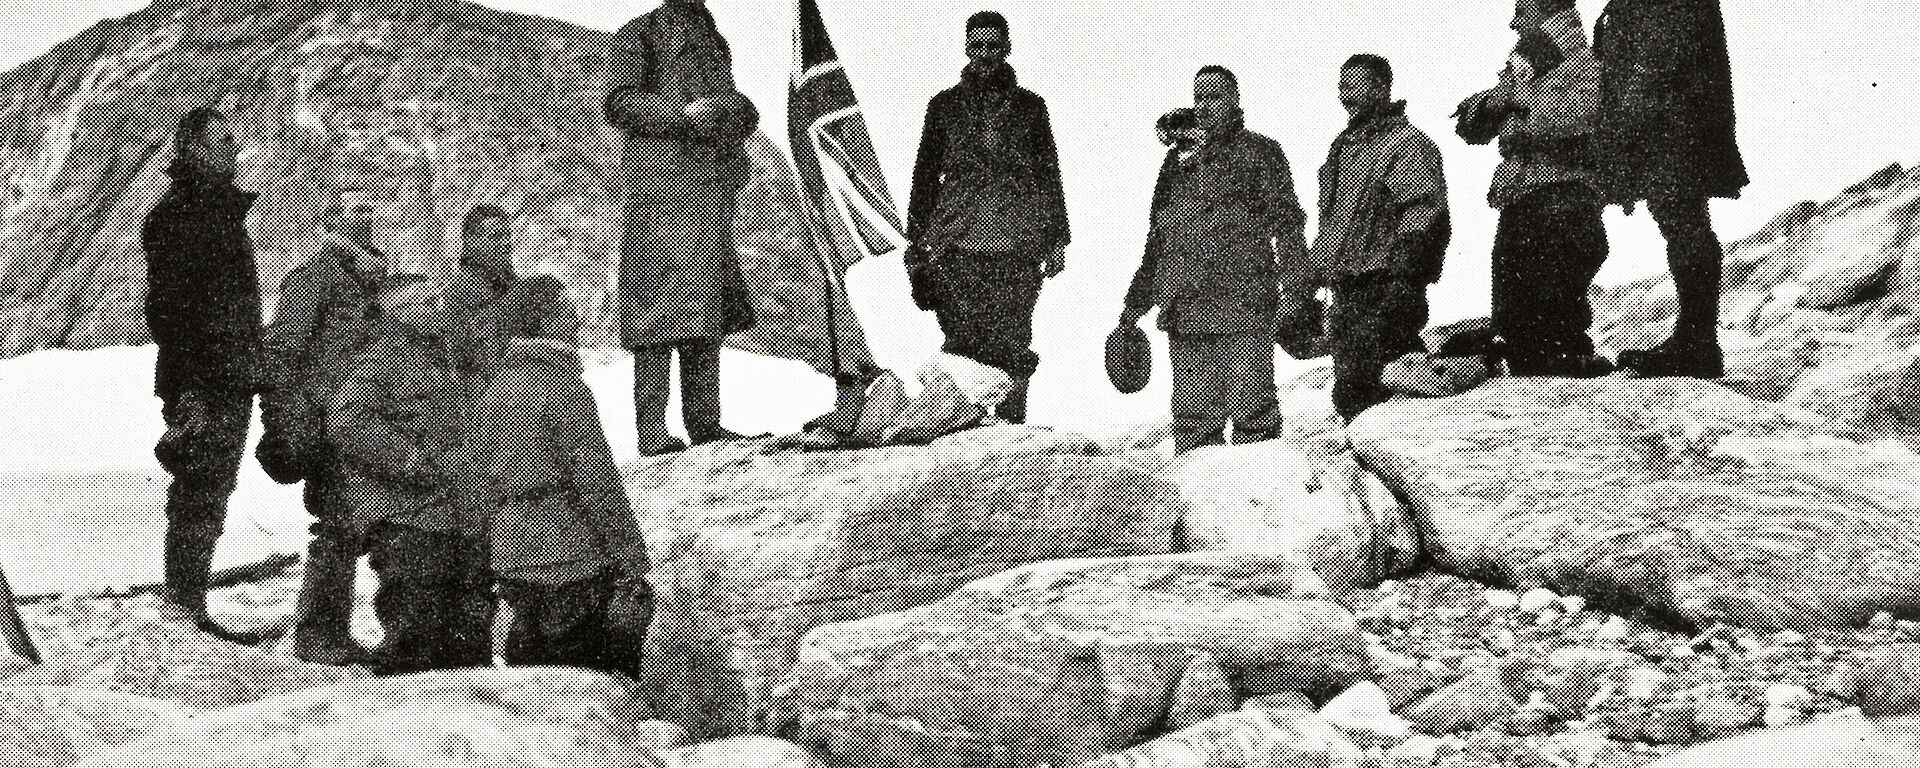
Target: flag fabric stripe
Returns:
[[833, 151]]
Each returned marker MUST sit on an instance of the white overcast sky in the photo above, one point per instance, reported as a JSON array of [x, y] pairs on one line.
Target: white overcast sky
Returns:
[[1827, 93]]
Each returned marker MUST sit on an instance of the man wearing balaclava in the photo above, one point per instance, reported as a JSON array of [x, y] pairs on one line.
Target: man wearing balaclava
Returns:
[[683, 165], [987, 215]]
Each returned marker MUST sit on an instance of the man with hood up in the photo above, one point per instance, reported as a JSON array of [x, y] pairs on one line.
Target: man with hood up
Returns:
[[683, 166], [987, 215]]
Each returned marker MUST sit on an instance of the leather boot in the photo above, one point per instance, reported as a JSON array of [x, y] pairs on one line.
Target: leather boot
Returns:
[[650, 379], [1013, 410], [324, 612]]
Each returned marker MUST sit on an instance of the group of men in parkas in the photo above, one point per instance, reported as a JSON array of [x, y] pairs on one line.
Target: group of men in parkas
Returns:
[[443, 426]]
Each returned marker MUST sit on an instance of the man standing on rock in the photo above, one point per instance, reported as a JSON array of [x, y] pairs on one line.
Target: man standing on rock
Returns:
[[1666, 136], [988, 216], [1226, 242], [1384, 230], [683, 165], [203, 311], [1551, 241], [325, 317]]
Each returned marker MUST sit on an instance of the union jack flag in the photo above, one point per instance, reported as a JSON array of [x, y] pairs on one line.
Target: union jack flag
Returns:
[[833, 152]]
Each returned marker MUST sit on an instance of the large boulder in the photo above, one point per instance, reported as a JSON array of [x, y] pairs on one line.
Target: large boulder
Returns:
[[1258, 738], [1841, 741], [752, 549], [1678, 496], [1059, 662], [1309, 502], [126, 646], [44, 727], [468, 717]]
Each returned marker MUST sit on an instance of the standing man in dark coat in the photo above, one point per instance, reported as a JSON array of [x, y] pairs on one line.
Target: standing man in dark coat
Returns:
[[1384, 230], [1551, 241], [987, 212], [1666, 135], [683, 166], [203, 311], [1225, 245], [325, 317]]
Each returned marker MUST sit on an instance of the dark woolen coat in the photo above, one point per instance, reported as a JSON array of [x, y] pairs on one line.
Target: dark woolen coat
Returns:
[[555, 495], [962, 178], [1666, 118], [680, 277], [1211, 263], [203, 293]]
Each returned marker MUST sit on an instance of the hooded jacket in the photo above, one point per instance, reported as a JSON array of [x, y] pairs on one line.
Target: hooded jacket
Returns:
[[398, 423], [1226, 232], [1547, 133], [555, 496]]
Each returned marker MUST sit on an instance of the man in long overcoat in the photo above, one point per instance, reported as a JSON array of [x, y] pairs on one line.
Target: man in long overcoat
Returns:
[[1666, 136], [1225, 246], [683, 166], [987, 210], [203, 311], [326, 317]]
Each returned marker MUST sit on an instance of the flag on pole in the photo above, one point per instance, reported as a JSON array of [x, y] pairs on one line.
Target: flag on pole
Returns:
[[833, 152]]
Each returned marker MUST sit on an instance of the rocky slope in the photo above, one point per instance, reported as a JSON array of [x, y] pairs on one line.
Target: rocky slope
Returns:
[[433, 106]]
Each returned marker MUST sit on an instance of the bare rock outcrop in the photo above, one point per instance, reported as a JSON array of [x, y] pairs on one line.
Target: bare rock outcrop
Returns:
[[751, 550]]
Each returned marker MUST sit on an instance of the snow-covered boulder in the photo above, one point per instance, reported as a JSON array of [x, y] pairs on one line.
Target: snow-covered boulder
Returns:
[[1061, 661], [469, 717], [46, 727], [1308, 502], [752, 549], [1259, 738], [1676, 495]]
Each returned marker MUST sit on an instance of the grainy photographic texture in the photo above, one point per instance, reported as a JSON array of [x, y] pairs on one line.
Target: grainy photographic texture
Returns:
[[1494, 383]]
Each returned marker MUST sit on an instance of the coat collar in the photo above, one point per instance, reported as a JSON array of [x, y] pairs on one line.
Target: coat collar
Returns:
[[196, 181], [549, 353]]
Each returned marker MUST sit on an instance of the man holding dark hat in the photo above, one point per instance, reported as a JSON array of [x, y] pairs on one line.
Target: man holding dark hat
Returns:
[[1225, 246], [987, 218]]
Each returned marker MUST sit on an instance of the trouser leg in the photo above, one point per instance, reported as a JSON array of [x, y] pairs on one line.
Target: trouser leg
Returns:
[[986, 316], [650, 393], [197, 497], [429, 602], [1198, 391], [324, 611], [1376, 319], [563, 624], [1549, 247], [700, 390], [1694, 255], [1251, 400]]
